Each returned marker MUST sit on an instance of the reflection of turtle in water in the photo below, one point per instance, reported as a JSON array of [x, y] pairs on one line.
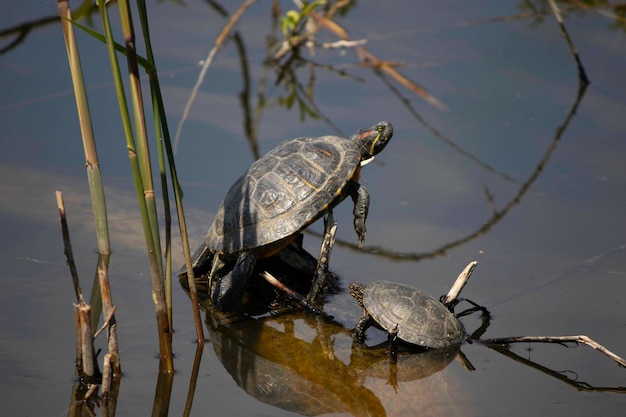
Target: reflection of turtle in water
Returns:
[[287, 361], [407, 312], [407, 365], [282, 193], [309, 365]]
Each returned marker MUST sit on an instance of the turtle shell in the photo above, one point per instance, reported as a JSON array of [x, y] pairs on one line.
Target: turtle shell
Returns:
[[283, 192], [419, 318]]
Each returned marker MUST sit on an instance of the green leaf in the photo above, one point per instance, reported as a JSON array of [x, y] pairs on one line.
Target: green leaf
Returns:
[[143, 62], [308, 8]]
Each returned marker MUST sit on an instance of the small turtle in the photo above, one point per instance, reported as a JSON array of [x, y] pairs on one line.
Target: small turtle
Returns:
[[407, 312], [281, 194]]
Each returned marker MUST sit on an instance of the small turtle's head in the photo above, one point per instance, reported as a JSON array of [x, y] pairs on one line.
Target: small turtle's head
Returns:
[[373, 139], [356, 290]]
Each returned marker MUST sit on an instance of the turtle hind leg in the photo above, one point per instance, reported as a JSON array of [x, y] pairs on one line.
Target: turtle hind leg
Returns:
[[229, 288]]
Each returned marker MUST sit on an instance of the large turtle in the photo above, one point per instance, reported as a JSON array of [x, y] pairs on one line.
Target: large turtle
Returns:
[[279, 195], [407, 312]]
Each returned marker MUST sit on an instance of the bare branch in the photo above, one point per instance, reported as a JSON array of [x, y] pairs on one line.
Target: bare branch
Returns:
[[586, 340]]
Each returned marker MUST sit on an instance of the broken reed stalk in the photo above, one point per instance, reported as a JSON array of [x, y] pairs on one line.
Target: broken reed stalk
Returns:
[[67, 247], [96, 187], [106, 373], [109, 313], [458, 285], [86, 363], [89, 369], [586, 340]]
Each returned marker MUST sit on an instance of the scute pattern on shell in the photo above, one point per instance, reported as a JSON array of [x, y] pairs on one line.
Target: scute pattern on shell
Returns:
[[420, 318], [284, 191]]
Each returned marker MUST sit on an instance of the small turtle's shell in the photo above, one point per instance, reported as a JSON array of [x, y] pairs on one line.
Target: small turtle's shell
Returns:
[[283, 192], [418, 318]]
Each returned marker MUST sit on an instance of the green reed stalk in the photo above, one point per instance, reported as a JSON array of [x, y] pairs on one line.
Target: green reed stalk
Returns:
[[151, 227], [159, 111], [91, 155], [159, 119]]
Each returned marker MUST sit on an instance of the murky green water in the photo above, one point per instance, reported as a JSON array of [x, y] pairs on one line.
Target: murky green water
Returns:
[[552, 264]]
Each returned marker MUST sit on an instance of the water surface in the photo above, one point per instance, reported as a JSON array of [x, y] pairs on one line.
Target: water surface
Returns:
[[554, 264]]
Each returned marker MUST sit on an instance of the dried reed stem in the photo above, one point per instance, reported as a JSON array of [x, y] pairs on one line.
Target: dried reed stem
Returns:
[[67, 246]]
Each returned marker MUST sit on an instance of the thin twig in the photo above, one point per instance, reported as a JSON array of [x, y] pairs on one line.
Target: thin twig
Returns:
[[107, 320], [342, 44], [205, 66], [290, 293]]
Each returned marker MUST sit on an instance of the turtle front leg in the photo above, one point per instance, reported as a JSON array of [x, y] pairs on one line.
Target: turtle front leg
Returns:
[[361, 199], [228, 289], [362, 325]]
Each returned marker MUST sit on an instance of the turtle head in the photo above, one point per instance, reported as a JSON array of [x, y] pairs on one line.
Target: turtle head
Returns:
[[373, 139], [356, 290]]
